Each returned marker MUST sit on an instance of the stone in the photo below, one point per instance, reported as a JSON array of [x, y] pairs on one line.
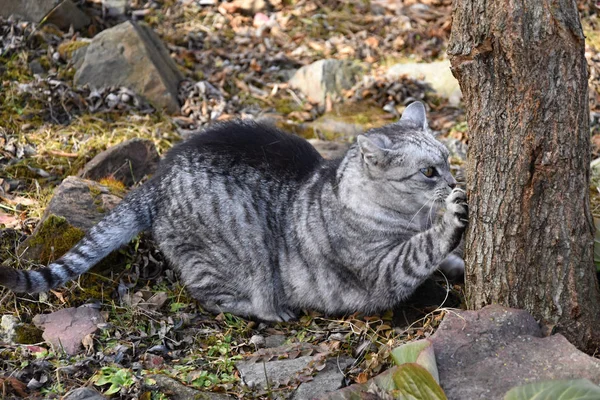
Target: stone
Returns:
[[178, 391], [335, 127], [127, 162], [8, 328], [272, 341], [256, 374], [76, 206], [251, 6], [325, 78], [114, 8], [133, 56], [36, 68], [63, 14], [84, 393], [437, 74], [483, 354], [330, 150], [327, 380], [258, 341], [66, 328]]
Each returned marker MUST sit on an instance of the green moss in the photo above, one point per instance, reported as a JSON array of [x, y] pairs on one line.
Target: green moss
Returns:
[[66, 49], [28, 334], [115, 186], [54, 238], [285, 105]]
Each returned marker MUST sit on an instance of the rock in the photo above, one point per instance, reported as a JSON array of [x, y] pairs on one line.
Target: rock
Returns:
[[437, 74], [248, 7], [36, 68], [8, 328], [251, 6], [127, 162], [329, 150], [178, 391], [133, 56], [482, 354], [76, 206], [13, 331], [326, 78], [114, 8], [84, 393], [63, 14], [258, 341], [272, 341], [255, 374], [327, 380], [336, 128], [66, 328]]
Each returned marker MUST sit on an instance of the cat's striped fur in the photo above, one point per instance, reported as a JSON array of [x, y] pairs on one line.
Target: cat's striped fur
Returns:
[[258, 224]]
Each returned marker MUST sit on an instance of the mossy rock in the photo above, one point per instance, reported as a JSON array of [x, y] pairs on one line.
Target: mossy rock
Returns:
[[28, 334], [345, 122], [77, 205], [53, 238]]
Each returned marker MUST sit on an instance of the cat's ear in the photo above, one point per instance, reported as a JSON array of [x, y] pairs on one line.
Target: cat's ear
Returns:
[[416, 113], [372, 150]]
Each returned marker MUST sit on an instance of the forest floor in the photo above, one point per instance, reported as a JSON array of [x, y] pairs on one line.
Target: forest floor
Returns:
[[50, 129]]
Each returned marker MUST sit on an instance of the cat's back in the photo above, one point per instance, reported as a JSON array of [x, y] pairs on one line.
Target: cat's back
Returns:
[[246, 145]]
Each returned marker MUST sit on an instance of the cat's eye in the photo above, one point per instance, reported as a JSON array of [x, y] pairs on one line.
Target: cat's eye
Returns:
[[429, 172]]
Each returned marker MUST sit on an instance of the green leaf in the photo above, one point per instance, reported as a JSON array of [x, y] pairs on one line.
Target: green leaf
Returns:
[[576, 389], [420, 352], [414, 382]]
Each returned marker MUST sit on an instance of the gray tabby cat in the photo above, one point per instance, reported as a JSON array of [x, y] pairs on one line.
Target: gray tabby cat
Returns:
[[259, 225]]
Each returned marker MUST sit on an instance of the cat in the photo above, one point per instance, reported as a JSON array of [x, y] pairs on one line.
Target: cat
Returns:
[[258, 224]]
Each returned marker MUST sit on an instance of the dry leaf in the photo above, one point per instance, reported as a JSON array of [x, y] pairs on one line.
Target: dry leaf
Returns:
[[88, 343], [8, 220]]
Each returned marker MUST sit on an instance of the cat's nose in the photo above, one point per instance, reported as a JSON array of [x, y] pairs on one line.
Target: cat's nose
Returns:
[[451, 181]]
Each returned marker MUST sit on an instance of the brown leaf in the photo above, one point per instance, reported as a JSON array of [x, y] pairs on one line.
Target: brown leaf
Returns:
[[17, 386], [8, 220], [362, 377], [15, 200]]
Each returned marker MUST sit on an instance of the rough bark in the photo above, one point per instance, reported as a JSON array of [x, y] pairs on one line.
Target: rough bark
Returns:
[[523, 74]]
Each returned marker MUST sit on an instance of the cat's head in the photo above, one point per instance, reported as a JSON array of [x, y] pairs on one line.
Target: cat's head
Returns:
[[403, 166]]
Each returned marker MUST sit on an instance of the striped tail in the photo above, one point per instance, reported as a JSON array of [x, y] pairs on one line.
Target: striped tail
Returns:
[[133, 215]]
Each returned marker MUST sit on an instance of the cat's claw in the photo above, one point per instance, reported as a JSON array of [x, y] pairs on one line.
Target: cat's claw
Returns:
[[457, 210]]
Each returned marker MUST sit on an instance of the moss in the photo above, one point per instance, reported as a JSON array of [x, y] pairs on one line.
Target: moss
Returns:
[[28, 334], [54, 238], [115, 186], [67, 48], [285, 105]]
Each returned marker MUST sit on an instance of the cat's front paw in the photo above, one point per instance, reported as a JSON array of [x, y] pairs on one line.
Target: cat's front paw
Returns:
[[457, 210]]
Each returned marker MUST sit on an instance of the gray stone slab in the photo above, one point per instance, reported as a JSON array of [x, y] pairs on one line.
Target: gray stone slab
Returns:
[[437, 74], [326, 380], [127, 162], [483, 354], [133, 56]]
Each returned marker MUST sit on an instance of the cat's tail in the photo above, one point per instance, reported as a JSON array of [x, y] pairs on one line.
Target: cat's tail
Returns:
[[133, 215]]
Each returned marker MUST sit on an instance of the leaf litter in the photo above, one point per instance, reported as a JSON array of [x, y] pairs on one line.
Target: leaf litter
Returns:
[[236, 63]]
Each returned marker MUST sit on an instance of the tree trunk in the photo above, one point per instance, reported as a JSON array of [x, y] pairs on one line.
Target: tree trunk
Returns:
[[523, 74]]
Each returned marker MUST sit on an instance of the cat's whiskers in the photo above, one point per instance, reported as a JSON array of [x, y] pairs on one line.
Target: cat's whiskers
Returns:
[[433, 199]]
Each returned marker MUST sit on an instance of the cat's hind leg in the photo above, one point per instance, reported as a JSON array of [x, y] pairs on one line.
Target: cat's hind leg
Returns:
[[236, 303]]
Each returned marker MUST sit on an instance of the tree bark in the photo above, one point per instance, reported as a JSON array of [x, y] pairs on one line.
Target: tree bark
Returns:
[[529, 244]]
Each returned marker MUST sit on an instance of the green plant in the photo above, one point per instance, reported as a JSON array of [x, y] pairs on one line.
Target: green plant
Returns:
[[575, 389], [117, 377]]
